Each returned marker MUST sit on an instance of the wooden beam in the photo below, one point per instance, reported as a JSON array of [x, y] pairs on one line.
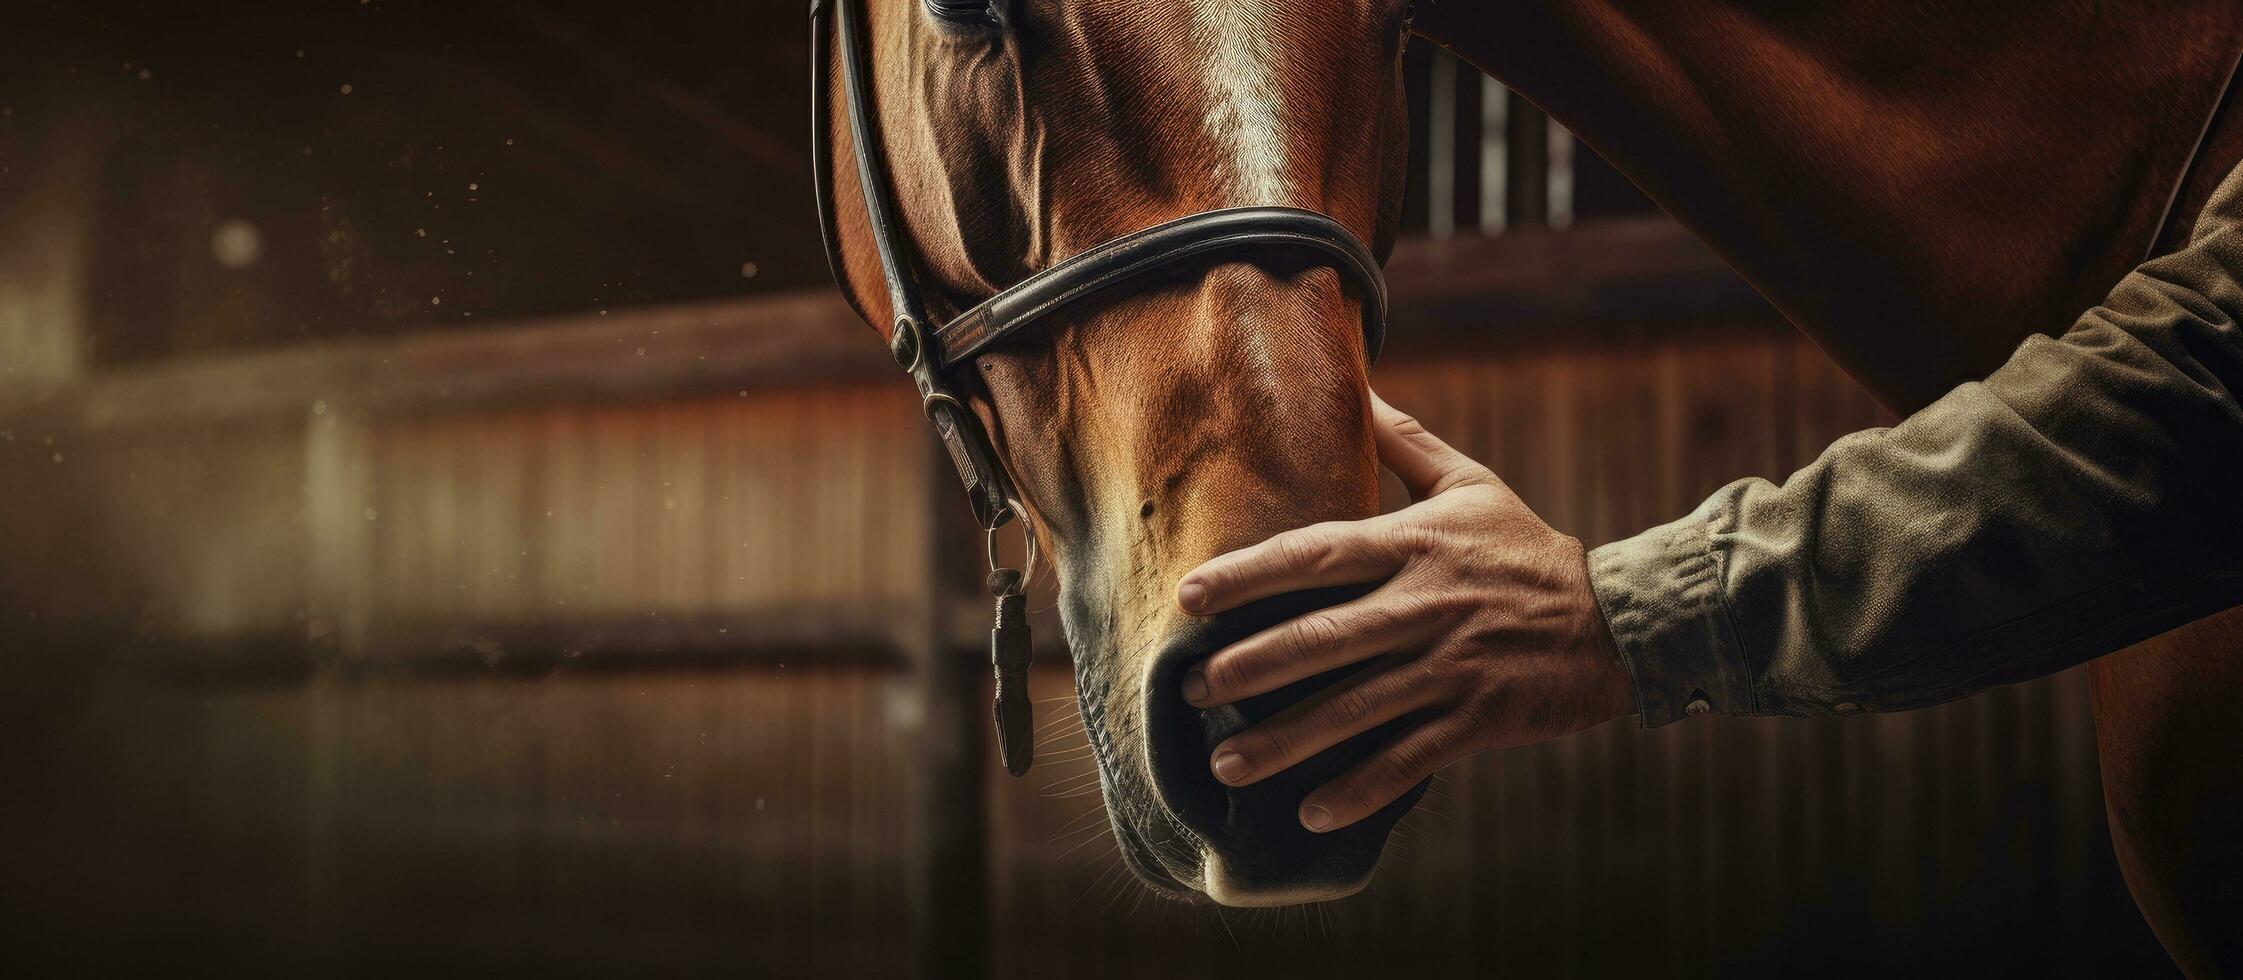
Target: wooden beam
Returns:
[[1462, 289], [793, 634], [1470, 290], [793, 339]]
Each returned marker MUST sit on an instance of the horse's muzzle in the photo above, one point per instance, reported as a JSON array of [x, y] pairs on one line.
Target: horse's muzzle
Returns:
[[1255, 850]]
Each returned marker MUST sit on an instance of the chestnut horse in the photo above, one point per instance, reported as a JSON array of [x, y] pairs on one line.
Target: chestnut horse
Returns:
[[1917, 186]]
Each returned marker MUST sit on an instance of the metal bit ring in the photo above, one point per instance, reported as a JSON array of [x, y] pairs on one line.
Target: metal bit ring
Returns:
[[1020, 513]]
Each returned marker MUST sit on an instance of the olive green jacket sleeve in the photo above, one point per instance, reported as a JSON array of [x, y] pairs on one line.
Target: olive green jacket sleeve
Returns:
[[2087, 495]]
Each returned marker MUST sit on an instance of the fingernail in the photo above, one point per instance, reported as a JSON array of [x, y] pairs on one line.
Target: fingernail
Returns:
[[1315, 817], [1193, 596], [1229, 766], [1195, 685]]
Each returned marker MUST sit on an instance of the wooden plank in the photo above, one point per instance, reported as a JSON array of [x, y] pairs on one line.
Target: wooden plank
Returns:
[[338, 494], [790, 339], [1463, 290]]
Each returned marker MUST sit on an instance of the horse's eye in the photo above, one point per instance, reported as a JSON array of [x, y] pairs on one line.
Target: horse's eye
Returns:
[[967, 13]]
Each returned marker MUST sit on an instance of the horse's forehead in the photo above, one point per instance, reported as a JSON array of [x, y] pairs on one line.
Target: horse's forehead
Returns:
[[1085, 119], [1152, 98]]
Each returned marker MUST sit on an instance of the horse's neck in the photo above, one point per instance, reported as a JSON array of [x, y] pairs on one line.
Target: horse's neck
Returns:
[[1917, 188]]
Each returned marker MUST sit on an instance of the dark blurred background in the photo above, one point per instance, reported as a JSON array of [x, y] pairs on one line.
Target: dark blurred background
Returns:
[[449, 523]]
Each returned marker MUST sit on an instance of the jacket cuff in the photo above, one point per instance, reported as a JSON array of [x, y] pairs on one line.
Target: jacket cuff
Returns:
[[1661, 594]]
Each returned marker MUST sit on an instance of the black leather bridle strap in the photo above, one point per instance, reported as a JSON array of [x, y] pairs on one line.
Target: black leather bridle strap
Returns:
[[987, 488], [929, 352], [821, 142], [872, 167], [1192, 240]]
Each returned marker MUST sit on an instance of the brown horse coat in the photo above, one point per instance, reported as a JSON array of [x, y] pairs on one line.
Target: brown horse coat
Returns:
[[1920, 187]]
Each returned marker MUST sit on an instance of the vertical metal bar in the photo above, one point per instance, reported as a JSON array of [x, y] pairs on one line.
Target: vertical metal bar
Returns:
[[1495, 114], [1560, 182], [1526, 186], [1469, 142], [1417, 62], [1440, 146]]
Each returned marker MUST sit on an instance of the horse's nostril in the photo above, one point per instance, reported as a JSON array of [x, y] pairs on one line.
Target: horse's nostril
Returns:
[[1217, 724], [1250, 838], [1181, 738]]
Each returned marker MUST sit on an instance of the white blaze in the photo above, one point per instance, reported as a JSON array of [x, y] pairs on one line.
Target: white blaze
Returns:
[[1242, 110]]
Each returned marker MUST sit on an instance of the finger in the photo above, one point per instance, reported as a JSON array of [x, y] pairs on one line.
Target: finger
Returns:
[[1325, 720], [1410, 759], [1389, 619], [1424, 464], [1331, 553]]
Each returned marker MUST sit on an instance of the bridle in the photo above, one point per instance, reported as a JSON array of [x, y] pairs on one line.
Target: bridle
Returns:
[[929, 351]]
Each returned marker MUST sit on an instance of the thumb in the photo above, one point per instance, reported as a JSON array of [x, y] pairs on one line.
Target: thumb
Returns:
[[1425, 464]]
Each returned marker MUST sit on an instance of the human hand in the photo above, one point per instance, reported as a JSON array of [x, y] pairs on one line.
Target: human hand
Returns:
[[1484, 625]]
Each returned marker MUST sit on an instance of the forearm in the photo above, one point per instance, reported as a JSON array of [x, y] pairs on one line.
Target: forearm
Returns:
[[2079, 499]]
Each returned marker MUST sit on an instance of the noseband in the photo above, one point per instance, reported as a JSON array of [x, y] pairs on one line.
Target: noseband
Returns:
[[929, 351]]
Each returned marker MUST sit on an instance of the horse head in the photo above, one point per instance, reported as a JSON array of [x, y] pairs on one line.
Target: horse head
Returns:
[[1187, 415]]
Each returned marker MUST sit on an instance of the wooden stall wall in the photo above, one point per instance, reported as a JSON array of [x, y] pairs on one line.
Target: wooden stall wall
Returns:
[[594, 686], [612, 686], [580, 823], [678, 521]]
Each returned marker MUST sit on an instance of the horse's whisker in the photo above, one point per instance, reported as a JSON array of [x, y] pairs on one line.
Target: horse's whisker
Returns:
[[1078, 845], [1076, 720]]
